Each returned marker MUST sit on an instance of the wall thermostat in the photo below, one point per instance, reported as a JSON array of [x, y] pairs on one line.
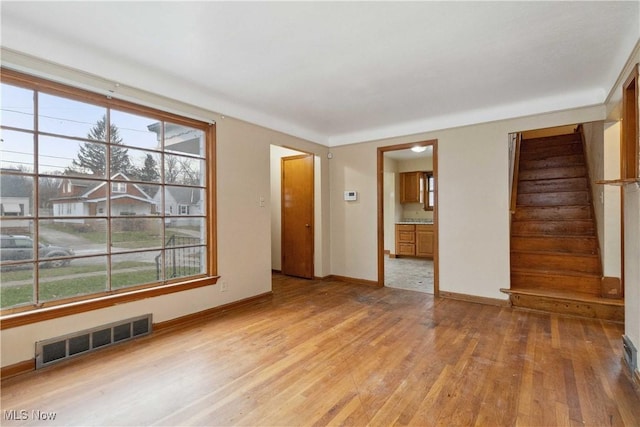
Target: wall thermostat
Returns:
[[350, 196]]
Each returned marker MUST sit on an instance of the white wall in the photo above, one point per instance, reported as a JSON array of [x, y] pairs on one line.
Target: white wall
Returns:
[[611, 244], [391, 209], [594, 145]]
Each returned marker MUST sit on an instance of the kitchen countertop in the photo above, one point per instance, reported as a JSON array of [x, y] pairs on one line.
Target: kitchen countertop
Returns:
[[425, 222]]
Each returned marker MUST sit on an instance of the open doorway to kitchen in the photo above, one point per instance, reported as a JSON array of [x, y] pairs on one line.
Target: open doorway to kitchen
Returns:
[[407, 216]]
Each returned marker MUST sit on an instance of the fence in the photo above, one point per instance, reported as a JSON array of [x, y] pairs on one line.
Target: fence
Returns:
[[182, 257]]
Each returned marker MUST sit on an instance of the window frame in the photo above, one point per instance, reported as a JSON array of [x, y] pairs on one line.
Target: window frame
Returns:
[[427, 187], [32, 313]]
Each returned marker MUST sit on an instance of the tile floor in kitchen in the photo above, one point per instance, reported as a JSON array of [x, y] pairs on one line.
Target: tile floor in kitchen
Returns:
[[409, 273]]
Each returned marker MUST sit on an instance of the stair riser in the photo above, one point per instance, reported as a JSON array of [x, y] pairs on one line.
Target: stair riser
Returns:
[[552, 185], [553, 173], [583, 285], [566, 245], [579, 263], [570, 228], [588, 264], [553, 162], [547, 141], [552, 213], [540, 153], [554, 199]]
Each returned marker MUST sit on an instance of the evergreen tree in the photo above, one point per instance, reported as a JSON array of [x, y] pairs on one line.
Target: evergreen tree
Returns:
[[92, 157], [149, 172]]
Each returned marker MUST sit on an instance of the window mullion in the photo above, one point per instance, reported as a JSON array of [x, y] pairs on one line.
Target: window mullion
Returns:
[[36, 211], [108, 193]]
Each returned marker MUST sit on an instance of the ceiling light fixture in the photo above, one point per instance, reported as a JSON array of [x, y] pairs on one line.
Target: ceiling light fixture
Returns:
[[418, 148]]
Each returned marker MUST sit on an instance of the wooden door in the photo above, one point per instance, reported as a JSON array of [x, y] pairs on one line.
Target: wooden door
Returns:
[[297, 216]]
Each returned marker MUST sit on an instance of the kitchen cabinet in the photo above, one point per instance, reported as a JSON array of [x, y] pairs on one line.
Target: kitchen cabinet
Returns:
[[405, 239], [414, 240], [424, 240], [410, 187]]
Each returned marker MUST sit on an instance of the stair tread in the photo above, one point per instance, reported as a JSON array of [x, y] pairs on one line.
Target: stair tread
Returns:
[[560, 220], [560, 273], [554, 237], [565, 295], [555, 253], [542, 193]]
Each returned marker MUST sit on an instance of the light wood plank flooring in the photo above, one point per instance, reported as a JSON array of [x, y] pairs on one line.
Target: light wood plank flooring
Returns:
[[327, 353]]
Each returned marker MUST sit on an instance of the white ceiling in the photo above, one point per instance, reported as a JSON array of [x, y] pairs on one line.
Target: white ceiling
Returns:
[[342, 72]]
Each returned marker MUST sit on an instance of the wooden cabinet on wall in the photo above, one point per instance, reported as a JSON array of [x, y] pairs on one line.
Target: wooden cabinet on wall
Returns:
[[414, 240], [410, 187]]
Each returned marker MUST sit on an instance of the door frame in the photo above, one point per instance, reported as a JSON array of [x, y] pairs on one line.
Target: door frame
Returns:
[[629, 150], [380, 183]]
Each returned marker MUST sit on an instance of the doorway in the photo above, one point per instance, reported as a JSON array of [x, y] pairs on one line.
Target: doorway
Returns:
[[416, 266]]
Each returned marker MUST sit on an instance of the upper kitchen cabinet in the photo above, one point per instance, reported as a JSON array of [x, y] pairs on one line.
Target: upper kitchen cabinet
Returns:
[[417, 187], [410, 187]]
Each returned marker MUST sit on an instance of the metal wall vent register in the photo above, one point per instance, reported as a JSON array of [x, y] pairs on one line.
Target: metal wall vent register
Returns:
[[62, 348], [630, 353]]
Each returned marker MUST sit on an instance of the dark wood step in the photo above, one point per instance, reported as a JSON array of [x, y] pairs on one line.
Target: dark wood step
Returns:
[[572, 283], [550, 140], [536, 213], [567, 198], [551, 162], [557, 228], [540, 153], [566, 303], [561, 262], [553, 185], [568, 244], [553, 173]]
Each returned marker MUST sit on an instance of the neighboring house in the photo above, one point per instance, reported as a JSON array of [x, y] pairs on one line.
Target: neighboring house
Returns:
[[81, 197], [181, 201], [15, 195], [178, 138], [15, 201]]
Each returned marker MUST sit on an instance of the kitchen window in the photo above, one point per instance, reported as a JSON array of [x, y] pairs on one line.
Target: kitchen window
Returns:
[[430, 188], [97, 175]]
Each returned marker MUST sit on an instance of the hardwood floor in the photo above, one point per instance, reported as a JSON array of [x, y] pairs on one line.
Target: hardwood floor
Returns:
[[327, 353]]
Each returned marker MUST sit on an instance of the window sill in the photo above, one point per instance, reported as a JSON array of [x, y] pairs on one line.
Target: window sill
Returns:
[[52, 312]]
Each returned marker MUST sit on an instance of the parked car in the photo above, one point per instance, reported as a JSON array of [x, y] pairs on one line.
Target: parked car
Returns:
[[17, 248]]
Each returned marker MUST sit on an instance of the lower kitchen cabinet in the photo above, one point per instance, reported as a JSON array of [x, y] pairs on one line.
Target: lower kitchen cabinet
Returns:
[[414, 240], [424, 241]]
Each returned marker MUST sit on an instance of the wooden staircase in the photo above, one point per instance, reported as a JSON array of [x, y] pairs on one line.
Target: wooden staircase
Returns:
[[555, 260]]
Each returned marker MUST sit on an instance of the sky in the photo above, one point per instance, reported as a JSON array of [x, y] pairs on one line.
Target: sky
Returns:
[[63, 117]]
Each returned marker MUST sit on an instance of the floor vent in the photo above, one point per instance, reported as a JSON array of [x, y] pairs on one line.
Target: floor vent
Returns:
[[630, 353], [62, 348]]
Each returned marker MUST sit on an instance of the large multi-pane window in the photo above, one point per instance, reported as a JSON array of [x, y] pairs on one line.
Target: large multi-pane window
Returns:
[[97, 196]]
